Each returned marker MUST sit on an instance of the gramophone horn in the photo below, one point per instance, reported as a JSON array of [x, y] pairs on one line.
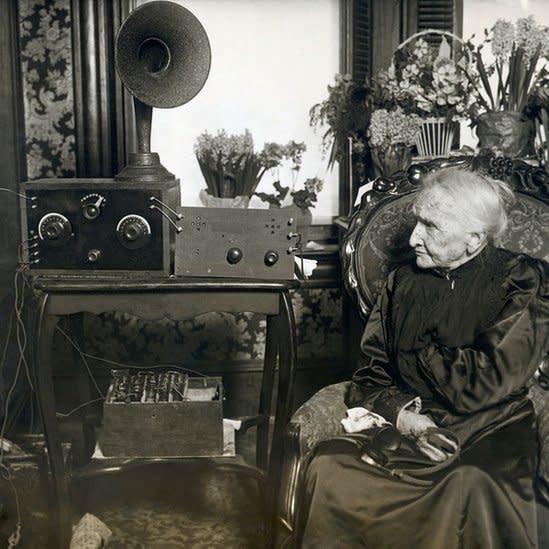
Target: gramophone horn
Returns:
[[162, 54]]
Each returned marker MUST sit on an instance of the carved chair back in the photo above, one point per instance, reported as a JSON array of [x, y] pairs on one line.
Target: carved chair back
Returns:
[[379, 230]]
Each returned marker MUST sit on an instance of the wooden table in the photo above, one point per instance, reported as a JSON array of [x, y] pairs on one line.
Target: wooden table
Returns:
[[154, 299]]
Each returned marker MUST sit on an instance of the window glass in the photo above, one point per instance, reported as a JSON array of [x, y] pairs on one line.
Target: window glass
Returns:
[[271, 61]]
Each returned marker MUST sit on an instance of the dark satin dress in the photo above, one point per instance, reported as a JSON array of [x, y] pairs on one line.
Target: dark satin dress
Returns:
[[466, 342]]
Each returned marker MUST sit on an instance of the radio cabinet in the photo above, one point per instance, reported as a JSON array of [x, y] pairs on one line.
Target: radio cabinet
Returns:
[[98, 226]]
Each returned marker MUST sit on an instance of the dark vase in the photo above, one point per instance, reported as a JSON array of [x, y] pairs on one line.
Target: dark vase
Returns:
[[507, 132], [390, 159]]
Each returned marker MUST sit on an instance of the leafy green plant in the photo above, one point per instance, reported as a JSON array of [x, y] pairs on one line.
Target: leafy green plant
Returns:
[[303, 198], [345, 113]]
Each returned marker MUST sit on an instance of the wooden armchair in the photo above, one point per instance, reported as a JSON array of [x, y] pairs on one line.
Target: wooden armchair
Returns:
[[375, 242]]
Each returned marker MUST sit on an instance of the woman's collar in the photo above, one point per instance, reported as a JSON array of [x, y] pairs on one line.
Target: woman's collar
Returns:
[[475, 262]]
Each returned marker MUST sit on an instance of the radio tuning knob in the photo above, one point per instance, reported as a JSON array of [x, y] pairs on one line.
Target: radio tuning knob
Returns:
[[234, 255], [133, 231], [91, 205], [271, 257], [54, 229]]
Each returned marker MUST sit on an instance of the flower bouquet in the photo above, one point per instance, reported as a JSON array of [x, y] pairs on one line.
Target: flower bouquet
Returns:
[[505, 84], [428, 76]]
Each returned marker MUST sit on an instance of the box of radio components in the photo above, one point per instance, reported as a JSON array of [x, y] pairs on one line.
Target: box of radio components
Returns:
[[168, 414]]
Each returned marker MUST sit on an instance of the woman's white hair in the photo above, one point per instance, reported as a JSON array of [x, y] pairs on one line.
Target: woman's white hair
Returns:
[[479, 202]]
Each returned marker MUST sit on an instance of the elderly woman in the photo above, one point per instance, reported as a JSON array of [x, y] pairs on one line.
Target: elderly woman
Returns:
[[446, 355]]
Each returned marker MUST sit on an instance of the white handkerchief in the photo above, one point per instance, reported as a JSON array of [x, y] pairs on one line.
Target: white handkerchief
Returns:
[[360, 418]]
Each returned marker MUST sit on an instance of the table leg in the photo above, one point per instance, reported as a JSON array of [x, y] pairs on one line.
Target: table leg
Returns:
[[284, 332], [84, 390], [287, 357], [266, 393], [61, 519]]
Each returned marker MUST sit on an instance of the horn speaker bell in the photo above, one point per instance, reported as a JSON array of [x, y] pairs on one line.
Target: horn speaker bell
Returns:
[[162, 54]]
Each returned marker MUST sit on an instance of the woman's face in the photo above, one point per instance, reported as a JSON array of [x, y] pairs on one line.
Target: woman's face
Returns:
[[439, 239]]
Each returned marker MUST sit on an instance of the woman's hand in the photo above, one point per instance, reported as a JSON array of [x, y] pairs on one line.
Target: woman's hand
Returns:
[[430, 441]]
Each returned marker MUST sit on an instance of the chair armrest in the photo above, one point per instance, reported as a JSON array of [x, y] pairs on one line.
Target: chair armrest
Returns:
[[320, 417], [540, 399], [317, 419]]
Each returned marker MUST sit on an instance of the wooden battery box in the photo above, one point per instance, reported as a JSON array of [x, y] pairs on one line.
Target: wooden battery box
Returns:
[[138, 425]]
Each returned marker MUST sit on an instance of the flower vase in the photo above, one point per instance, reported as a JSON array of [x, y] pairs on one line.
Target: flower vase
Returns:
[[507, 132], [388, 160], [435, 138], [211, 201]]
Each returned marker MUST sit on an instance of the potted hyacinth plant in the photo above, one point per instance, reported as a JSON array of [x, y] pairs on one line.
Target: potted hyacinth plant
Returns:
[[506, 77], [231, 167], [391, 135]]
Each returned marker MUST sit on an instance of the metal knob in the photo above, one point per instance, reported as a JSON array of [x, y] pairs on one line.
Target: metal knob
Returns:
[[91, 205], [94, 255], [234, 255], [54, 230], [133, 231], [271, 257]]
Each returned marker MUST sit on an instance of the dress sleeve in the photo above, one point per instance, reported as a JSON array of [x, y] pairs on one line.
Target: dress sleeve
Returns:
[[503, 357], [374, 384]]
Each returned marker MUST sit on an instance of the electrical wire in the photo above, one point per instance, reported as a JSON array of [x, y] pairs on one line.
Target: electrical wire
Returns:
[[4, 189], [80, 406], [126, 365], [21, 342], [21, 332], [84, 360], [5, 420], [6, 409], [15, 537]]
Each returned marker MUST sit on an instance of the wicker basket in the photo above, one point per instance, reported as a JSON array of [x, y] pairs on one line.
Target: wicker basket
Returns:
[[437, 134]]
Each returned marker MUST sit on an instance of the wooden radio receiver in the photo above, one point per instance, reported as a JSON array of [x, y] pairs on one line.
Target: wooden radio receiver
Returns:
[[242, 243]]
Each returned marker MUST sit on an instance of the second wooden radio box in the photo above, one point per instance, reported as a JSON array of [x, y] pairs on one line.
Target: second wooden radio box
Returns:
[[162, 415]]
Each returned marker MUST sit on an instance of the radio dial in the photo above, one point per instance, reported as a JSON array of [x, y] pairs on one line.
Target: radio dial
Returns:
[[54, 229], [133, 231], [91, 205]]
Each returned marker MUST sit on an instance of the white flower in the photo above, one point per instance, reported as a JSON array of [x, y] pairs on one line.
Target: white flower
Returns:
[[503, 38]]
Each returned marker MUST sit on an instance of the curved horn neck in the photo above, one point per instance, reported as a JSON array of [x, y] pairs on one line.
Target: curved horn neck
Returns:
[[143, 123]]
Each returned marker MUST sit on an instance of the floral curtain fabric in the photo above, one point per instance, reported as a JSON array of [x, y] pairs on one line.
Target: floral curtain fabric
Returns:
[[46, 66]]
